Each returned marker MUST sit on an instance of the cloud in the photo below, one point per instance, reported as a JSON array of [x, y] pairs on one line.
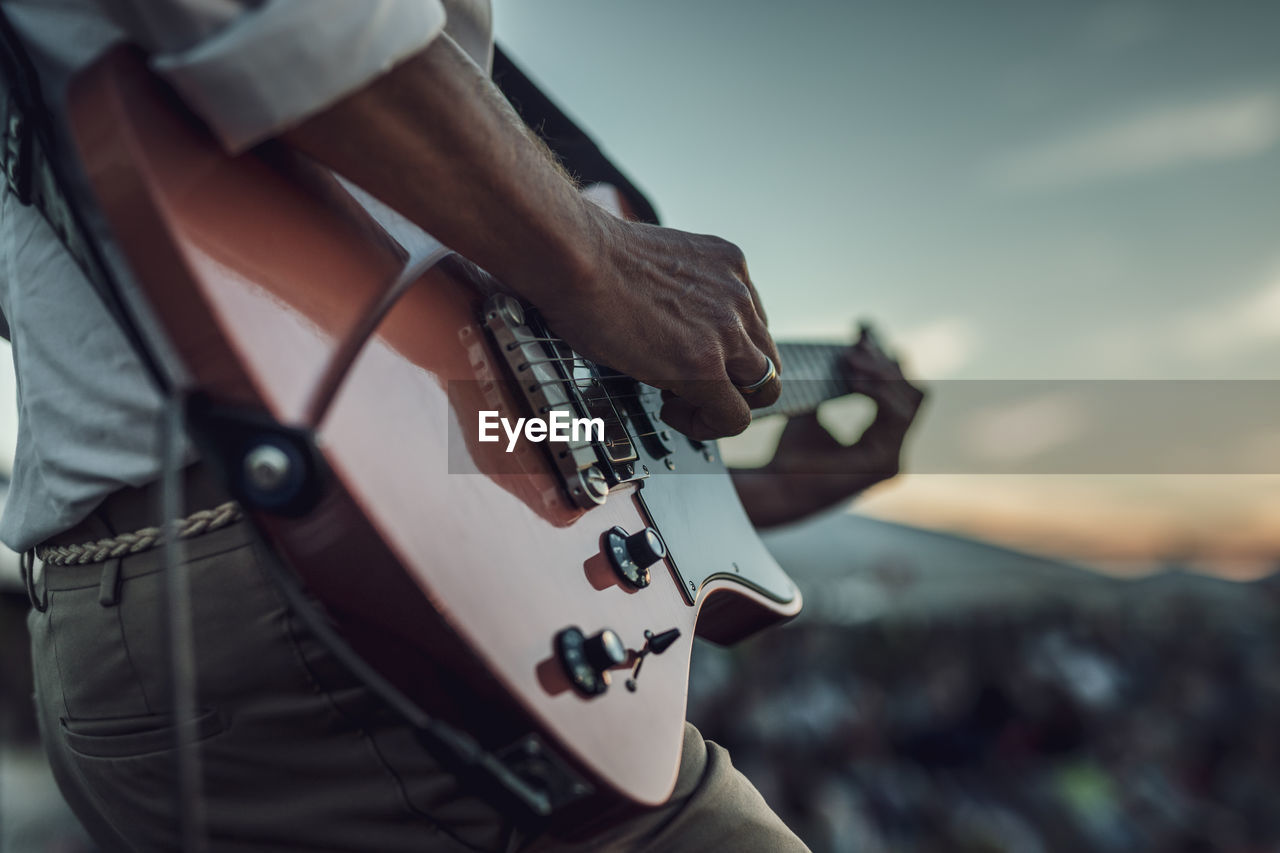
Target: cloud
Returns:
[[1212, 337], [1163, 138], [1026, 428], [1240, 325], [1116, 27], [938, 349]]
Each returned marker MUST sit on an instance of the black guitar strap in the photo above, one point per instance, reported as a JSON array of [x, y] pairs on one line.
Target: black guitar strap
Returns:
[[578, 152]]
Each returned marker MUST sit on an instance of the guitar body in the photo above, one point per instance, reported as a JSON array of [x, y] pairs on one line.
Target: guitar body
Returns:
[[449, 564]]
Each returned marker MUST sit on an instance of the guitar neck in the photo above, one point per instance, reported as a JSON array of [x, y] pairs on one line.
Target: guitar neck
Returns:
[[811, 375]]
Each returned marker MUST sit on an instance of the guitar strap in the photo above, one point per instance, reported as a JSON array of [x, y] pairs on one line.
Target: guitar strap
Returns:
[[577, 152]]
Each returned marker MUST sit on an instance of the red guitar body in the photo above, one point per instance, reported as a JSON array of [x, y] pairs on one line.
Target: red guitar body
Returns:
[[449, 564]]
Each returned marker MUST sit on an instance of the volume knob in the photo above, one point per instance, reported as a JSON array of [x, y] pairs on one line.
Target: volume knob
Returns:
[[605, 650], [646, 547], [587, 660], [632, 555]]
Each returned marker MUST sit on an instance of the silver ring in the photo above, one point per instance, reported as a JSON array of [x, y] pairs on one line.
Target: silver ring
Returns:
[[770, 374]]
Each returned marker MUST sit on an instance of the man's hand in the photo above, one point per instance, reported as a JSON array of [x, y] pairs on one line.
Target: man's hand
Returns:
[[677, 311], [870, 370], [811, 470], [678, 411], [435, 140]]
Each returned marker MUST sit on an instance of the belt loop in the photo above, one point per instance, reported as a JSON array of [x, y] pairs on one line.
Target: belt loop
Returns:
[[27, 566], [109, 588]]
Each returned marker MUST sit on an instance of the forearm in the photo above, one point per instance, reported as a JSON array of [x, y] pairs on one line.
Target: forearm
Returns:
[[436, 141], [454, 158]]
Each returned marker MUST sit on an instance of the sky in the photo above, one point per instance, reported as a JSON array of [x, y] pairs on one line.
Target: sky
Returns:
[[1011, 190]]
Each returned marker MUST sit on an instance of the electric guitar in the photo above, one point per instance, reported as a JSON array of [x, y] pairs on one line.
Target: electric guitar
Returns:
[[554, 589]]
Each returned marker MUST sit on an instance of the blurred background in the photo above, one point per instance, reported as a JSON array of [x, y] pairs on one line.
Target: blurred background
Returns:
[[1064, 216]]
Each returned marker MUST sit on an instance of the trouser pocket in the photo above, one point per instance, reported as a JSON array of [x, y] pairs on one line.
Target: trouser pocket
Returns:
[[125, 737], [295, 753], [102, 674]]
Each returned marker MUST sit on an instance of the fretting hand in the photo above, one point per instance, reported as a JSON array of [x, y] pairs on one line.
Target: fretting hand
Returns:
[[811, 470]]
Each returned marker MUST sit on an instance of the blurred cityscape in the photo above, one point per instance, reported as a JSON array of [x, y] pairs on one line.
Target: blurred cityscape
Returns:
[[943, 694], [1060, 728]]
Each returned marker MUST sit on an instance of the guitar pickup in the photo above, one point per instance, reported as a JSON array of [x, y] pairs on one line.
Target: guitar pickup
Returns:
[[551, 377]]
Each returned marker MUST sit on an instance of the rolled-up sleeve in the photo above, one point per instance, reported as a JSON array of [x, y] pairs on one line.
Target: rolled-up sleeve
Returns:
[[279, 63]]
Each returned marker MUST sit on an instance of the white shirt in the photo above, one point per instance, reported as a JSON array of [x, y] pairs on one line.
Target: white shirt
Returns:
[[88, 416]]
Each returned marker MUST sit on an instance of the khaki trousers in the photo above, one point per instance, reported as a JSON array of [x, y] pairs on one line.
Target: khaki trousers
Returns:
[[297, 754]]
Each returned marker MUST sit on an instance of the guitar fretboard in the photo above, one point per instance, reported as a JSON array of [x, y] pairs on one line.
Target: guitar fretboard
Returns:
[[811, 375]]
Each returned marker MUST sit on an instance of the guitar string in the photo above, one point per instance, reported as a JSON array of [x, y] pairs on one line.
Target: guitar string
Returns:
[[612, 397], [828, 376], [631, 437], [560, 359], [613, 417], [831, 381], [622, 395], [612, 443], [783, 405], [606, 397], [803, 351]]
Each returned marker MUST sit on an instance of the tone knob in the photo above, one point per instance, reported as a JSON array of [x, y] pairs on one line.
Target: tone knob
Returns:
[[587, 660], [632, 555], [605, 650], [646, 547]]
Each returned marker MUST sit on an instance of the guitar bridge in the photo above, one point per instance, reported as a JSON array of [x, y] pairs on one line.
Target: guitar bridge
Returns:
[[553, 378]]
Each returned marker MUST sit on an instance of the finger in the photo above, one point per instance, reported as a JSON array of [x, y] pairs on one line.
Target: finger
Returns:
[[867, 334], [870, 348], [706, 409], [855, 366], [868, 361], [748, 363], [857, 355], [758, 327], [802, 427], [747, 369], [759, 335], [745, 275]]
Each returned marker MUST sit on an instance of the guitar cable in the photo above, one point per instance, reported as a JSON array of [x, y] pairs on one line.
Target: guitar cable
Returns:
[[179, 631], [452, 747]]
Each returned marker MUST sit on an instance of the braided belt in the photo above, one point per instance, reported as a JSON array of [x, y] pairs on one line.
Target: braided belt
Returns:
[[124, 544]]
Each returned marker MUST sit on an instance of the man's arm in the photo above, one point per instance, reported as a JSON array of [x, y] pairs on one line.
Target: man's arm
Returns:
[[395, 106], [434, 139]]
